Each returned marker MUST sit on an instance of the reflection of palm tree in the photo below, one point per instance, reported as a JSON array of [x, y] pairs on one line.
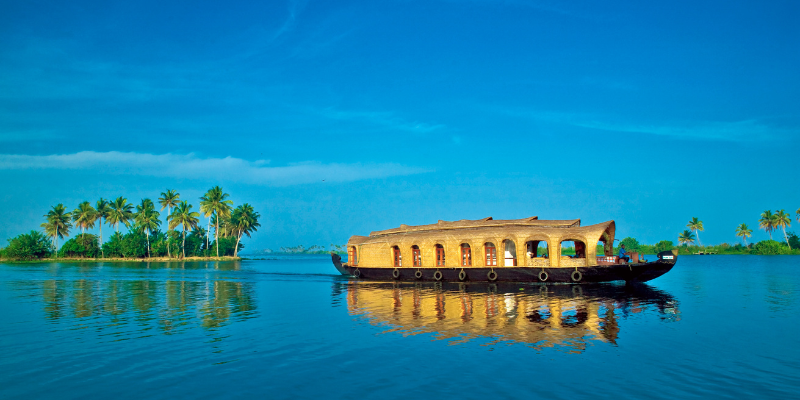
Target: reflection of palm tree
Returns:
[[244, 221], [745, 232], [185, 217], [686, 237], [102, 210], [783, 220], [121, 213], [168, 199], [696, 225], [58, 224], [767, 222], [147, 219]]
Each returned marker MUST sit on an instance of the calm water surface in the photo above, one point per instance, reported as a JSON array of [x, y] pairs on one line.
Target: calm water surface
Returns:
[[716, 326]]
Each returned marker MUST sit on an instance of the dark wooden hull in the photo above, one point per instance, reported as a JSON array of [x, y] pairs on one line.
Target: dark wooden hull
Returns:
[[640, 272]]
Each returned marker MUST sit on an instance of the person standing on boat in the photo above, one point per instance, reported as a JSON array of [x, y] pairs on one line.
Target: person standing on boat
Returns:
[[623, 254]]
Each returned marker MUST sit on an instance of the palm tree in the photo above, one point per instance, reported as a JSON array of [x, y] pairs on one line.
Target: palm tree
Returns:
[[84, 217], [745, 232], [782, 219], [686, 237], [767, 222], [225, 227], [184, 216], [168, 199], [696, 225], [214, 201], [102, 211], [121, 212], [147, 219], [58, 224], [207, 209], [244, 221]]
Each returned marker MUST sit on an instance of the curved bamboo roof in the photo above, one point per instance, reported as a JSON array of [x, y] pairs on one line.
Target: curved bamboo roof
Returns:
[[525, 227]]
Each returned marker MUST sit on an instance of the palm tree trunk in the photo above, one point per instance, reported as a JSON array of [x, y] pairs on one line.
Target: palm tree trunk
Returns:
[[100, 243], [216, 235], [236, 249], [208, 231], [184, 242], [168, 256], [697, 233], [786, 237], [148, 242]]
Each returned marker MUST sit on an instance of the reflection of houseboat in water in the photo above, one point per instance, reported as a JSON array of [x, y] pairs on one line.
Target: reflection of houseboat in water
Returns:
[[497, 250], [545, 316]]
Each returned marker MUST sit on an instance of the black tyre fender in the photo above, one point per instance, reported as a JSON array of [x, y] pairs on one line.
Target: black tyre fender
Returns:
[[543, 276], [418, 274], [437, 275], [357, 273], [396, 273], [462, 276], [491, 276], [576, 276]]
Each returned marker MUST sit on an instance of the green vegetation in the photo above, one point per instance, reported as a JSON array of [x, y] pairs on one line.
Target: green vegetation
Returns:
[[743, 231], [28, 246], [686, 238], [143, 239]]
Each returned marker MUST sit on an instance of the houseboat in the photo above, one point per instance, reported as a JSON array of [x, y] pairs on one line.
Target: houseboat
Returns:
[[489, 250]]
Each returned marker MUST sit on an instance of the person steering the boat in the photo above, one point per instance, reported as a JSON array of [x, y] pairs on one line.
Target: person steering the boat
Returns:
[[623, 254]]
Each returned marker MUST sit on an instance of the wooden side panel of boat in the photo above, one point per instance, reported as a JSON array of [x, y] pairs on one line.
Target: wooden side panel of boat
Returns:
[[641, 272]]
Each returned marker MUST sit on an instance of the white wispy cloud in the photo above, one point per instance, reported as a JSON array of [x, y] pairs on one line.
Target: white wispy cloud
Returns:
[[749, 130], [189, 166]]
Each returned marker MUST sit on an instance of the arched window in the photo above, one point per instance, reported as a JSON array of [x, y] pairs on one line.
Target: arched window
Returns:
[[352, 255], [398, 259], [510, 253], [573, 248], [466, 255], [491, 254], [439, 255], [416, 256]]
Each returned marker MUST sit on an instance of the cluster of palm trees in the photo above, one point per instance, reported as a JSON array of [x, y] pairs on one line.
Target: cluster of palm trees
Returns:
[[687, 237], [781, 219], [214, 204], [768, 222]]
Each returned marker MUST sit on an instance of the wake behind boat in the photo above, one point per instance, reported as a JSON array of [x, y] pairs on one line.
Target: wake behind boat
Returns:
[[467, 251]]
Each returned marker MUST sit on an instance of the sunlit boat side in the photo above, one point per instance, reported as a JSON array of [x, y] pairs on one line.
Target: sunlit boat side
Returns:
[[468, 250]]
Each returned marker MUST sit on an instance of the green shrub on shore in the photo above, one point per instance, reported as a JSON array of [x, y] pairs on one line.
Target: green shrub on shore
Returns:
[[770, 248], [28, 246], [83, 246]]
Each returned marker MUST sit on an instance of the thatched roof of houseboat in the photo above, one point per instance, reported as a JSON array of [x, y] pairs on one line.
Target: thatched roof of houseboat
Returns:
[[481, 223], [488, 227]]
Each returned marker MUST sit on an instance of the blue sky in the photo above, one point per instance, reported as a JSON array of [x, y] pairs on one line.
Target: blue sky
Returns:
[[339, 118]]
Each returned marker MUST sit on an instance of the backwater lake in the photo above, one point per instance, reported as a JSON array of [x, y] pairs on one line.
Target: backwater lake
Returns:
[[291, 327]]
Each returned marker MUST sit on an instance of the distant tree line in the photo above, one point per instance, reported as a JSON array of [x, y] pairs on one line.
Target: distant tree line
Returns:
[[768, 221], [144, 238], [300, 249]]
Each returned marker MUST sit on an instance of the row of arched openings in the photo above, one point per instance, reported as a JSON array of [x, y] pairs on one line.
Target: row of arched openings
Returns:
[[534, 248]]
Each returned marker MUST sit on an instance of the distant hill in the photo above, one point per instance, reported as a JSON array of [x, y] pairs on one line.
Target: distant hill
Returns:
[[300, 249]]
